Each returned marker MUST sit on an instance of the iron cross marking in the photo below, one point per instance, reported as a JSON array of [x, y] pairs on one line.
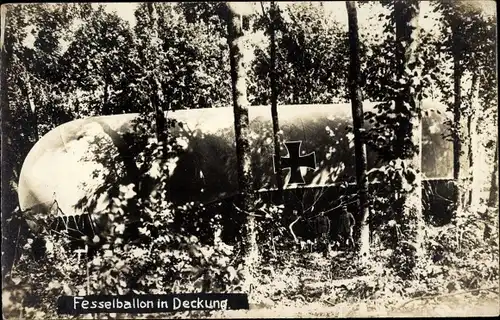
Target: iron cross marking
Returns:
[[295, 161]]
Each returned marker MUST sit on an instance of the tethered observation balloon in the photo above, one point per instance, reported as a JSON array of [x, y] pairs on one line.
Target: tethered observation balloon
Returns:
[[64, 165]]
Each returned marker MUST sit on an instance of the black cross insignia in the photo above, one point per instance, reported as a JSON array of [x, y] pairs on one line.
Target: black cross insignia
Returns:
[[295, 161]]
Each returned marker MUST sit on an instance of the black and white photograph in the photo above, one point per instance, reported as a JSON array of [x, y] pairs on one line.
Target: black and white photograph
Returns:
[[331, 159]]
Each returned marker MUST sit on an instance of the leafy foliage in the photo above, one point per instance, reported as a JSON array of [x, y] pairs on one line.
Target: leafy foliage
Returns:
[[306, 63]]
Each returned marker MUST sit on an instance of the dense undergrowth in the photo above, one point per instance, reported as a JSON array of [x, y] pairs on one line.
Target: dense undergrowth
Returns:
[[179, 259]]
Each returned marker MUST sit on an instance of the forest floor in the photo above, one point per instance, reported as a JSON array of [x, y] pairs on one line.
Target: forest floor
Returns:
[[318, 277], [450, 307], [311, 285], [308, 284]]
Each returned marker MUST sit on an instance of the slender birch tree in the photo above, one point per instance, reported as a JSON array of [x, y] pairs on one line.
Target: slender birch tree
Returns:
[[358, 122], [408, 105], [274, 102], [241, 128], [156, 96], [456, 50], [493, 196]]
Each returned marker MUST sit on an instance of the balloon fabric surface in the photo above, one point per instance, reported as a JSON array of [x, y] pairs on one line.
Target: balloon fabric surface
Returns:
[[65, 165]]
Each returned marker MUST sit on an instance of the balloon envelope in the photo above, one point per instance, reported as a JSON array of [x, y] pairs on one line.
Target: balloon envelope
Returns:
[[67, 163]]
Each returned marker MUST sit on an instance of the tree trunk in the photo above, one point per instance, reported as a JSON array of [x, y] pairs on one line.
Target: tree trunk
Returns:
[[8, 196], [28, 91], [457, 119], [457, 77], [493, 197], [156, 96], [5, 112], [274, 105], [411, 221], [472, 134], [106, 109], [460, 178], [241, 126], [358, 123]]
